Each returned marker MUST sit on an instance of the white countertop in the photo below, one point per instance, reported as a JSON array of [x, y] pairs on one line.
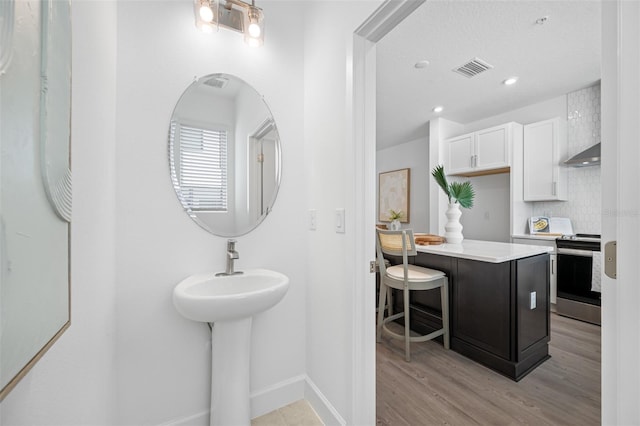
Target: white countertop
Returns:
[[485, 251]]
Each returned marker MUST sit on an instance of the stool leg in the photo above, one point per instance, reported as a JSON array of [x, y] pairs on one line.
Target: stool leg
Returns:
[[407, 334], [444, 296], [389, 301], [381, 303]]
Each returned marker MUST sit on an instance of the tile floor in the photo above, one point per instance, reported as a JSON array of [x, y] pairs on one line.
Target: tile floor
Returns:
[[299, 413]]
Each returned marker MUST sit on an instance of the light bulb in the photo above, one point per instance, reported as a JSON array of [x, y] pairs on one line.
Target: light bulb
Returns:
[[206, 14], [254, 30]]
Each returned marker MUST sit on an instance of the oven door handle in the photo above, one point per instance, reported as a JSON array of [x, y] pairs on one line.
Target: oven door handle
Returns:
[[575, 252]]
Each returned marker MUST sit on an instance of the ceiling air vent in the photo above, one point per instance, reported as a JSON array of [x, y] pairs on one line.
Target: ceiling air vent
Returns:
[[217, 82], [472, 68]]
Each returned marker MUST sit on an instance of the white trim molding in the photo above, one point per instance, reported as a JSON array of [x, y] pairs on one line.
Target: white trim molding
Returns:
[[363, 132], [621, 211], [325, 410]]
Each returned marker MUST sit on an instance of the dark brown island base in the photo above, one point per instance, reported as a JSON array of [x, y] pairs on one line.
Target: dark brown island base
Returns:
[[499, 303]]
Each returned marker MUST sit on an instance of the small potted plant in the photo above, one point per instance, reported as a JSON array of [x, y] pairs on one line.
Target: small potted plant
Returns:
[[460, 194], [394, 217]]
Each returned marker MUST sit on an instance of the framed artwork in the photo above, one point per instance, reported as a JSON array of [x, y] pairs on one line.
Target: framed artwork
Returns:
[[393, 194]]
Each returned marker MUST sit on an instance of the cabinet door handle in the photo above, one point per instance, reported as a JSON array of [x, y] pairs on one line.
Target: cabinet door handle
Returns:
[[471, 161], [553, 267], [555, 188]]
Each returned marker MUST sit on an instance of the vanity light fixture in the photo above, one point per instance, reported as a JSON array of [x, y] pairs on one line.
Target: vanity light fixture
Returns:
[[438, 109], [510, 81], [235, 15]]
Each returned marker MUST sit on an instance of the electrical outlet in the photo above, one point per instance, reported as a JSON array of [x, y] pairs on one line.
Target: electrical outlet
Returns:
[[532, 300]]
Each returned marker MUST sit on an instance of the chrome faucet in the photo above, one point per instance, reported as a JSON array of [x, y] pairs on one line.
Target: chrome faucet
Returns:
[[232, 255]]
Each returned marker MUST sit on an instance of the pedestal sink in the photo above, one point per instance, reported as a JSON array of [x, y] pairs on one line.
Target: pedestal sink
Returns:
[[229, 302]]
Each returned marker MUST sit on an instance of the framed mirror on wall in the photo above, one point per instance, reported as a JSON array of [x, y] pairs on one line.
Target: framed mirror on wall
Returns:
[[35, 182], [224, 155]]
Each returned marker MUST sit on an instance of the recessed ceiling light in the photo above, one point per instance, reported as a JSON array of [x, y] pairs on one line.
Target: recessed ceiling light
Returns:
[[422, 64], [438, 109], [510, 81]]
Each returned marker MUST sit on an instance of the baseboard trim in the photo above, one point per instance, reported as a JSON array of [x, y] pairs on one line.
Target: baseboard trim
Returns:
[[277, 396], [325, 410]]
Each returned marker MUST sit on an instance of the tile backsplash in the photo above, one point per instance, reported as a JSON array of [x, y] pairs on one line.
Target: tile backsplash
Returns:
[[583, 183]]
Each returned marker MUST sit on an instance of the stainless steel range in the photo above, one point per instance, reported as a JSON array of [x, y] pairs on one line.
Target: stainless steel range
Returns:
[[579, 262]]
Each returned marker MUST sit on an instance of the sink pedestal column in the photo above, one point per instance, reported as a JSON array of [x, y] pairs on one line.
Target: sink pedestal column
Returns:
[[230, 372]]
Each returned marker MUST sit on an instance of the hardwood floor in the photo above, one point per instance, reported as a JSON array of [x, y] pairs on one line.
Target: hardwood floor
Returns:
[[444, 387]]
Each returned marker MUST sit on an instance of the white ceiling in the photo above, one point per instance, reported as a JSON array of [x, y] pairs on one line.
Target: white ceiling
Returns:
[[552, 59]]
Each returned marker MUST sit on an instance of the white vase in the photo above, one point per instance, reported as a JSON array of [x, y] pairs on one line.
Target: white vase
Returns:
[[395, 225], [453, 228]]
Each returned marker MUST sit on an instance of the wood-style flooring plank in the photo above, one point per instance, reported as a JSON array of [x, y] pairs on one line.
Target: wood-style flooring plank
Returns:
[[444, 387]]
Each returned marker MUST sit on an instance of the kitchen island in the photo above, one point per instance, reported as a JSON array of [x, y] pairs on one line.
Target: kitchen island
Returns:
[[499, 302]]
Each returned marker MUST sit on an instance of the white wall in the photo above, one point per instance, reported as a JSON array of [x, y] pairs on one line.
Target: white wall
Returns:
[[328, 36], [414, 155], [74, 383], [439, 130], [554, 107], [129, 357], [488, 219], [163, 359]]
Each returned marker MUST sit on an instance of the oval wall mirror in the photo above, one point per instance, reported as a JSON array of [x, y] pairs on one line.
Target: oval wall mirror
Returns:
[[224, 155]]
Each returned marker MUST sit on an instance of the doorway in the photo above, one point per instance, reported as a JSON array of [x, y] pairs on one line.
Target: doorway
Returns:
[[620, 24], [263, 168]]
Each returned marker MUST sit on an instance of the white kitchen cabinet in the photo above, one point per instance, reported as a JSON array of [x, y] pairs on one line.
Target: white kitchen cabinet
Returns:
[[482, 151], [553, 261], [460, 151], [545, 147]]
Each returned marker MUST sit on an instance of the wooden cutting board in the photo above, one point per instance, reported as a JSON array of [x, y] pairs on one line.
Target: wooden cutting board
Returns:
[[428, 239]]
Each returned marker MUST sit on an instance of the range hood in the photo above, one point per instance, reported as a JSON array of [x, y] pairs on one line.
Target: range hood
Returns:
[[588, 157]]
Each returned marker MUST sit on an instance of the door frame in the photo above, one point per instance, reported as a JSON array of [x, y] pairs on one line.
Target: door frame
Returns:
[[620, 129], [621, 211], [362, 243]]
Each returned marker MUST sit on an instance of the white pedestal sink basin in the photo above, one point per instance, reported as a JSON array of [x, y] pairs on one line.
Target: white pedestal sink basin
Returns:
[[230, 302]]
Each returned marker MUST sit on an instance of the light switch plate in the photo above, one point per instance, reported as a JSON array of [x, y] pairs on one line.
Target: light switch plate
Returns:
[[313, 219], [340, 221]]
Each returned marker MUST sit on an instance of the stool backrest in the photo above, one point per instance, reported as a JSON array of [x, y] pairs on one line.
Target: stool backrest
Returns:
[[391, 242]]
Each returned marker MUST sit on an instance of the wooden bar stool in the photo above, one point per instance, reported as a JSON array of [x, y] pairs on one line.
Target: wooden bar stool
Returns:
[[407, 277]]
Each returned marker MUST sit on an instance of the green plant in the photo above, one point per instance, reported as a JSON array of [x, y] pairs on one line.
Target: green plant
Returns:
[[395, 215], [460, 192]]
